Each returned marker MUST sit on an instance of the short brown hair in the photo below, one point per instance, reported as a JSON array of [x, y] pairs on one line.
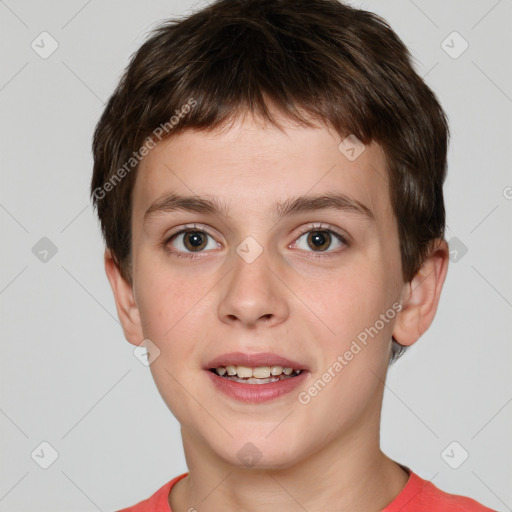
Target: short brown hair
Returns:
[[314, 60]]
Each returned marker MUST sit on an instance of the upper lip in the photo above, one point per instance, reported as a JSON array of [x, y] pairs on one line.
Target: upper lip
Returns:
[[254, 360]]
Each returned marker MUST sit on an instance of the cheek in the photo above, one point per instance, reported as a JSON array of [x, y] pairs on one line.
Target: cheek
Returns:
[[357, 308], [171, 311], [163, 298], [166, 310], [351, 300], [159, 308]]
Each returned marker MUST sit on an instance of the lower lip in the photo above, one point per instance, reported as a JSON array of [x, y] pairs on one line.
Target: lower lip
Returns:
[[256, 393]]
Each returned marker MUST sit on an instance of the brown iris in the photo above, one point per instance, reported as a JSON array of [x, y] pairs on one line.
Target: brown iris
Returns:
[[195, 240], [319, 239]]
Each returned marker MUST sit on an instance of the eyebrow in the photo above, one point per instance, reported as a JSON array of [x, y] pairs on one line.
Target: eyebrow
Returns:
[[292, 206]]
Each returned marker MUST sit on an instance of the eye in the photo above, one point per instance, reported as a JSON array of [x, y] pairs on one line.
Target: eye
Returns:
[[190, 240], [320, 240]]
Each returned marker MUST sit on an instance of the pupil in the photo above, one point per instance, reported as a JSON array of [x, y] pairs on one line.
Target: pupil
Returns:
[[320, 240], [195, 239]]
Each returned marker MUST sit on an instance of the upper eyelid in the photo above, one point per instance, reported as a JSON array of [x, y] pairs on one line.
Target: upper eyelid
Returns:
[[189, 228], [321, 226]]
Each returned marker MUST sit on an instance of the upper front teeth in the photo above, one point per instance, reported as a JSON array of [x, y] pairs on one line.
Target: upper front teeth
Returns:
[[260, 372]]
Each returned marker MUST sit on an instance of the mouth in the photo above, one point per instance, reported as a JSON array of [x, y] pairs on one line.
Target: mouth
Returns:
[[258, 375], [255, 377]]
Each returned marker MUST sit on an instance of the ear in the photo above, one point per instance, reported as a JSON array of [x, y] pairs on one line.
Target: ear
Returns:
[[421, 296], [127, 310]]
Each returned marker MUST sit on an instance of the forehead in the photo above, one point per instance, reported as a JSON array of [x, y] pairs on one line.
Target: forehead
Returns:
[[250, 167]]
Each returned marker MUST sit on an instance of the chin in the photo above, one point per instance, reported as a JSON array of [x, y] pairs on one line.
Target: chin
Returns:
[[253, 448]]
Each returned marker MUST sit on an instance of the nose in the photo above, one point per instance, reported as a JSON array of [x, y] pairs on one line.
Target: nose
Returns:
[[253, 294]]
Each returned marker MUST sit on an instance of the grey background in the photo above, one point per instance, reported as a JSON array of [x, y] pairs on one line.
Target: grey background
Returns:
[[70, 379]]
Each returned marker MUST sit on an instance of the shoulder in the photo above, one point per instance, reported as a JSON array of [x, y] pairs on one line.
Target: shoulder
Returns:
[[158, 502], [421, 495]]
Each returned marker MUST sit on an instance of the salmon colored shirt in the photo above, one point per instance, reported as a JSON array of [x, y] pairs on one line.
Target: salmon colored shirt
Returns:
[[418, 495]]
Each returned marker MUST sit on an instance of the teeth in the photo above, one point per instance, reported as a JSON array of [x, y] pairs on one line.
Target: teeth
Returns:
[[276, 370], [259, 372], [244, 372], [253, 380]]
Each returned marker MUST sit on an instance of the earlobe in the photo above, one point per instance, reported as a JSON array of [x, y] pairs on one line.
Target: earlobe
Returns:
[[422, 295], [126, 306]]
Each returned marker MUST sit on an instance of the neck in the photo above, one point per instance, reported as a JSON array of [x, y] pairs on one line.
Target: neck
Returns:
[[348, 473]]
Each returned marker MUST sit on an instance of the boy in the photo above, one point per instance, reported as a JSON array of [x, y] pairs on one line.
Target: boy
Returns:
[[268, 176]]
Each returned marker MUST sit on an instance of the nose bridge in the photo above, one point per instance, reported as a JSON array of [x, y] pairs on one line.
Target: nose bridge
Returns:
[[253, 293]]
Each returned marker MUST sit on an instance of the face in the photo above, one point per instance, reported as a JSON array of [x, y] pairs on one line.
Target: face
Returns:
[[315, 287]]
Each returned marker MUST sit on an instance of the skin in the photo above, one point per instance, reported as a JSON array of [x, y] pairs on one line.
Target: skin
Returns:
[[323, 455]]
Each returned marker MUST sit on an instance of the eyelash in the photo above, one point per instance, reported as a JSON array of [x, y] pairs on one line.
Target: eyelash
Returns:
[[314, 254]]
